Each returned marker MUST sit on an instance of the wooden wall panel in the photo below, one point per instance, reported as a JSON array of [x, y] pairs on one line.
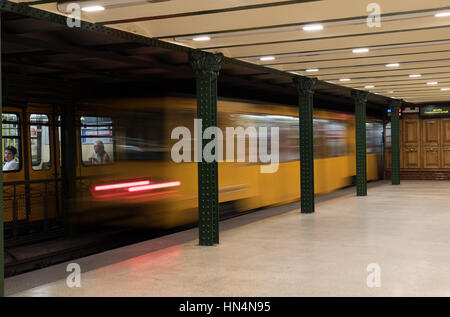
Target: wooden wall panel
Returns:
[[430, 132], [411, 132], [424, 144], [431, 157], [411, 157], [445, 132]]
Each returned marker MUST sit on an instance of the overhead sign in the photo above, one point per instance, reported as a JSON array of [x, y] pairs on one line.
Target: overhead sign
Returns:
[[435, 111]]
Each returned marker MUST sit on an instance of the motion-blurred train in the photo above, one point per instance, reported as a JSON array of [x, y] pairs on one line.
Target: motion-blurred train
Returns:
[[139, 185]]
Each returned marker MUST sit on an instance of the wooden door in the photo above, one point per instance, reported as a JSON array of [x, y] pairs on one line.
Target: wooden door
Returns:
[[445, 132], [411, 157], [411, 143], [431, 157], [431, 151], [411, 132], [445, 156], [431, 132], [445, 143]]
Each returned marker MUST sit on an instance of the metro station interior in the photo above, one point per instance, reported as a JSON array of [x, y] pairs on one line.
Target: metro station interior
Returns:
[[251, 148]]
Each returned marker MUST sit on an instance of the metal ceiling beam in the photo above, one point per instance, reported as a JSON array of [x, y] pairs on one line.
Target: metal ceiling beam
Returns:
[[26, 10]]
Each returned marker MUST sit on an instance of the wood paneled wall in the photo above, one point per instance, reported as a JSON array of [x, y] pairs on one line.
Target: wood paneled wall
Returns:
[[424, 143]]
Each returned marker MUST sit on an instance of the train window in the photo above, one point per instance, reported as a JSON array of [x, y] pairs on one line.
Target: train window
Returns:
[[374, 137], [97, 143], [11, 142], [329, 138], [288, 133], [388, 135], [318, 128], [142, 137], [40, 142], [288, 138]]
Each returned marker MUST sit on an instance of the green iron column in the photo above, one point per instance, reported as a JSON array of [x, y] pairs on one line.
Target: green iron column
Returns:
[[360, 98], [395, 141], [2, 236], [206, 67], [305, 87]]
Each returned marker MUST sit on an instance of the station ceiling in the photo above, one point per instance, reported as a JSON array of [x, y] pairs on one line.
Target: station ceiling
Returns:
[[409, 33], [409, 37]]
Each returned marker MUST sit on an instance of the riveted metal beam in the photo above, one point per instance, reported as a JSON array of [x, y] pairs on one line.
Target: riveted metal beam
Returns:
[[206, 67], [360, 98], [2, 235], [395, 134], [26, 10], [305, 88]]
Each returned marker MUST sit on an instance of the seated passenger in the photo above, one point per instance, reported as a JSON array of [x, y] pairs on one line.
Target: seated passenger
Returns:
[[10, 163], [99, 156]]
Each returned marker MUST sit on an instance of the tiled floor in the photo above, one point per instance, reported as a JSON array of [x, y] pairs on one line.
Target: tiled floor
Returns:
[[404, 229]]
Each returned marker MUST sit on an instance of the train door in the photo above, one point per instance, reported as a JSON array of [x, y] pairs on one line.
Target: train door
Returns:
[[45, 187], [32, 189], [14, 180]]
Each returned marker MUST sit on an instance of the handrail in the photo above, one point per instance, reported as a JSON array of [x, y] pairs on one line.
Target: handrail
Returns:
[[37, 181]]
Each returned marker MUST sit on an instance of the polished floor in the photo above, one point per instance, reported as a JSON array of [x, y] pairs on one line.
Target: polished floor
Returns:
[[403, 230]]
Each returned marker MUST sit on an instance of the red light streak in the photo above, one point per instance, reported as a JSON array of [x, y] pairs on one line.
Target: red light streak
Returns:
[[121, 185], [154, 186]]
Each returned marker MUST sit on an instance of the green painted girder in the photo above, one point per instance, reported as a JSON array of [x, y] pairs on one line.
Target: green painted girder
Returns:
[[206, 67], [305, 88], [360, 98], [395, 141], [26, 10], [2, 235]]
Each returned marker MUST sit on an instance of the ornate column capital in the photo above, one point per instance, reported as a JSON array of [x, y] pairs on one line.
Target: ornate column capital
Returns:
[[305, 84], [205, 64], [396, 103], [359, 95]]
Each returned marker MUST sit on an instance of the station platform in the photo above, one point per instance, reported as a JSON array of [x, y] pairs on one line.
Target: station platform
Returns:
[[278, 252]]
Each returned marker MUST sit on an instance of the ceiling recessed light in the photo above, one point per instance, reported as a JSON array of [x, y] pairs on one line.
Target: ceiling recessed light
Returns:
[[313, 27], [445, 89], [415, 75], [390, 92], [393, 65], [432, 83], [360, 50], [369, 86], [442, 14], [93, 9], [267, 58], [344, 79], [201, 38], [311, 70]]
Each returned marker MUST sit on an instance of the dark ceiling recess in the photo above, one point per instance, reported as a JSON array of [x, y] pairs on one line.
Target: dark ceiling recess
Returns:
[[49, 62]]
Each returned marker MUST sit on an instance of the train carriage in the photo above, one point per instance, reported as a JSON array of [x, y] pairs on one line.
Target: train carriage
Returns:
[[135, 135]]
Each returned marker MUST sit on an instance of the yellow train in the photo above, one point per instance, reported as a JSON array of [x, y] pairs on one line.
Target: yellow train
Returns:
[[137, 184]]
